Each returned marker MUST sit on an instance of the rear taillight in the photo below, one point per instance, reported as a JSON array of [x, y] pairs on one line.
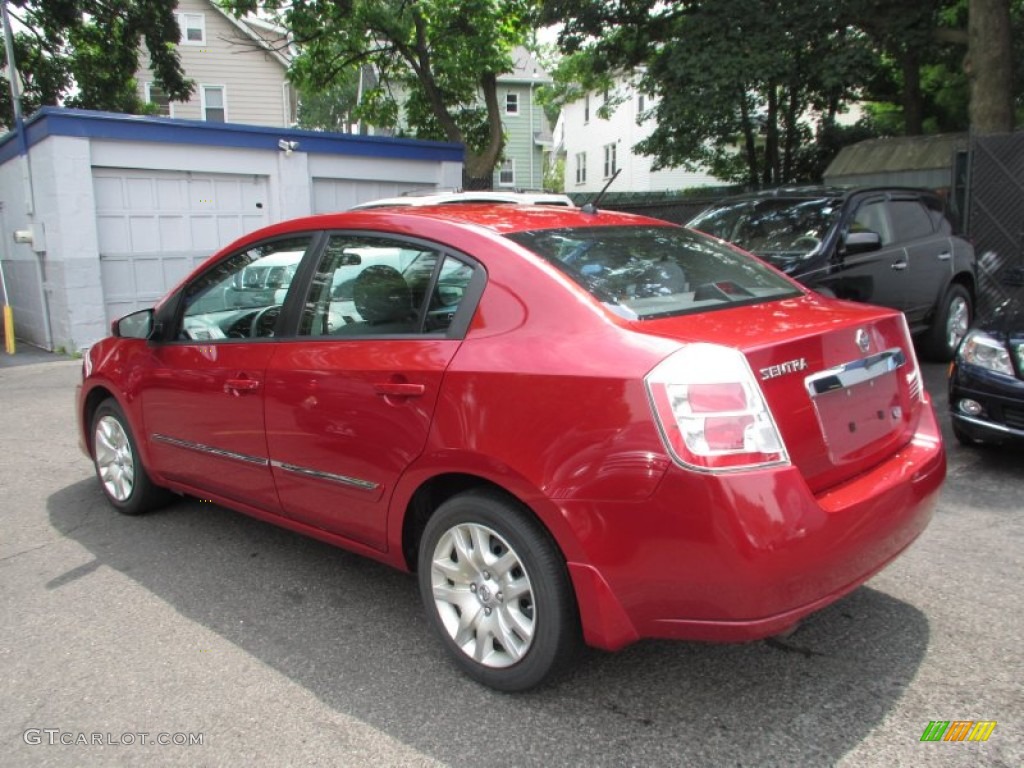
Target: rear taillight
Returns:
[[710, 410], [915, 382]]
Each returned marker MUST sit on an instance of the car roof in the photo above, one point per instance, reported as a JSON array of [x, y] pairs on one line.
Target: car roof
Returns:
[[809, 192], [461, 197], [500, 219]]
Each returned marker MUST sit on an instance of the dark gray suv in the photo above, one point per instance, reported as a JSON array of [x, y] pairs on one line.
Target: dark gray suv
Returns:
[[892, 246]]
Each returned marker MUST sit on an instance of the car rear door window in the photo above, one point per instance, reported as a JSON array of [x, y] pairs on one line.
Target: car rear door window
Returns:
[[940, 218], [910, 220], [368, 285]]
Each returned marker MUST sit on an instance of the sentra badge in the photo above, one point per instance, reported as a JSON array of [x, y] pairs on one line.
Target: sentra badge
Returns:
[[790, 366]]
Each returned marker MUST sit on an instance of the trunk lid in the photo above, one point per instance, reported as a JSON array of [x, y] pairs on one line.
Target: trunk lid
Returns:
[[840, 379]]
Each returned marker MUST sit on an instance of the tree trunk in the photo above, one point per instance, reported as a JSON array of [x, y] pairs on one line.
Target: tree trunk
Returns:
[[749, 140], [792, 134], [989, 66], [913, 100], [480, 166], [771, 139]]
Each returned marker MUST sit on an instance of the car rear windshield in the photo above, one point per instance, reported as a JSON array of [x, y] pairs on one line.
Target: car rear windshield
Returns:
[[649, 272]]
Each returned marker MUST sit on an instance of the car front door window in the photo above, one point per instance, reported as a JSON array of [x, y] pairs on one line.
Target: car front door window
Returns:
[[241, 296]]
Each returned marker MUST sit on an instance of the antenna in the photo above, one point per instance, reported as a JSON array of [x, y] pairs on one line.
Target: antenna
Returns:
[[591, 206]]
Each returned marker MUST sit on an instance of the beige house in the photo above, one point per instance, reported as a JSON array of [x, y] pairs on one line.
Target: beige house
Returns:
[[238, 67]]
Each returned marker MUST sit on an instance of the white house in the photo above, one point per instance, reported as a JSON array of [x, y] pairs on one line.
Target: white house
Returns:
[[238, 66], [595, 147]]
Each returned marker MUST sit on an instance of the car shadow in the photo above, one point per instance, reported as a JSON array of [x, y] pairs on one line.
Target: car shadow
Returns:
[[353, 633]]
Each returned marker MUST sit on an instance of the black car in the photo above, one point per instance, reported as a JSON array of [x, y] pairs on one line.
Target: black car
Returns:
[[986, 379], [897, 247]]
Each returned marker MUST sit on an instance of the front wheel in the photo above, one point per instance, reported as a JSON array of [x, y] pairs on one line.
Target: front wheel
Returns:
[[118, 465], [952, 319], [497, 591]]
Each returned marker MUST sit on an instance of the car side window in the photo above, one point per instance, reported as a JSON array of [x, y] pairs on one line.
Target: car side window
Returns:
[[240, 297], [940, 218], [871, 216], [910, 220], [372, 286]]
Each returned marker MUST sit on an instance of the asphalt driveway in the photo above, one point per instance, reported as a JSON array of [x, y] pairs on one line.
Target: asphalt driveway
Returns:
[[200, 624]]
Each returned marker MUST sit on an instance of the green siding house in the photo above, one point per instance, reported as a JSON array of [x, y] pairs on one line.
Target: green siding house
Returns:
[[528, 141]]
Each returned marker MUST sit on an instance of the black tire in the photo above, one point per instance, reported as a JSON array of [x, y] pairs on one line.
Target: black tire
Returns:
[[539, 623], [952, 318], [962, 437], [119, 468]]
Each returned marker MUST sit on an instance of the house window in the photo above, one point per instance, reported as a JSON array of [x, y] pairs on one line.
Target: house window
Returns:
[[511, 103], [609, 160], [507, 174], [581, 168], [155, 95], [215, 107], [640, 104], [193, 28], [586, 109]]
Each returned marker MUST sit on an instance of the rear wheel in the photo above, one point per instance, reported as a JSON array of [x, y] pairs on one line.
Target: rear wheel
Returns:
[[119, 467], [497, 591], [952, 319]]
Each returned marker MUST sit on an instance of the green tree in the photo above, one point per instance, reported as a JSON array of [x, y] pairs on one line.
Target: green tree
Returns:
[[728, 74], [440, 58], [85, 53], [769, 78], [332, 109]]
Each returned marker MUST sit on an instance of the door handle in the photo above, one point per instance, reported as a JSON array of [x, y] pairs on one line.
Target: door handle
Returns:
[[899, 266], [945, 256], [241, 385], [398, 389]]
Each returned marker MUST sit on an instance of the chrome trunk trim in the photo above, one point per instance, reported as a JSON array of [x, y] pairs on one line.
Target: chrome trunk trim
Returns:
[[855, 372]]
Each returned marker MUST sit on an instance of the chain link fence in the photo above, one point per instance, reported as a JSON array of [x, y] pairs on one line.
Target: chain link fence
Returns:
[[995, 217]]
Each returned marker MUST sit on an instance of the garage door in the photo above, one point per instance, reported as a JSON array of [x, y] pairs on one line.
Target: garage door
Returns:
[[155, 226], [341, 194]]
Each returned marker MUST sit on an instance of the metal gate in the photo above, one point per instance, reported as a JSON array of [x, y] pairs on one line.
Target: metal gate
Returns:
[[995, 208]]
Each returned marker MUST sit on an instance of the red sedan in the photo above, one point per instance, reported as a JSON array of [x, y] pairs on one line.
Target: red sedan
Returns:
[[572, 425]]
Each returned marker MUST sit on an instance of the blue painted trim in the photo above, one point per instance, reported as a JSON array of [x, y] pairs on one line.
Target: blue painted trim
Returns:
[[58, 121]]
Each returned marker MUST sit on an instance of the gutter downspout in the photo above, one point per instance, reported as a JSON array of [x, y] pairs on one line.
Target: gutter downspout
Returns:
[[26, 165]]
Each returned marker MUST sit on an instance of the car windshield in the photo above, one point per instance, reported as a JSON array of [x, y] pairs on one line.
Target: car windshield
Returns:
[[648, 272], [778, 228]]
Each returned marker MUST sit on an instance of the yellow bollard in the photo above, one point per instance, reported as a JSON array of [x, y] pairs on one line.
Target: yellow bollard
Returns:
[[9, 329]]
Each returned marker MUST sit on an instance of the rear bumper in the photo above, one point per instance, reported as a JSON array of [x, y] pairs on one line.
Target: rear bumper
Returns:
[[744, 556]]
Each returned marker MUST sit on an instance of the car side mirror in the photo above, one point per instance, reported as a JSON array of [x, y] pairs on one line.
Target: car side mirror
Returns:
[[137, 325], [350, 259], [862, 242]]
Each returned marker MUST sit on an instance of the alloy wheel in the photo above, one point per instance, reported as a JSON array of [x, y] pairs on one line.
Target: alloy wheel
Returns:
[[114, 458], [483, 595]]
